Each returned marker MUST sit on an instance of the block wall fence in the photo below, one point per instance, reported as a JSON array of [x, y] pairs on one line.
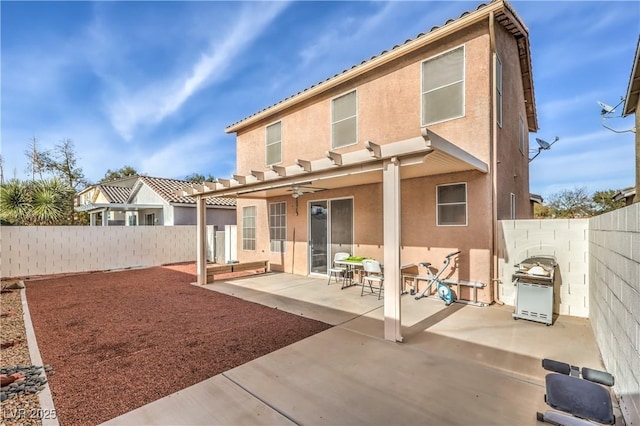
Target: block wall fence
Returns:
[[567, 240], [40, 250], [614, 294]]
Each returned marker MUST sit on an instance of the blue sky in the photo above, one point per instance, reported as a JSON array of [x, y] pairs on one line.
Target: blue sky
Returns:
[[154, 84]]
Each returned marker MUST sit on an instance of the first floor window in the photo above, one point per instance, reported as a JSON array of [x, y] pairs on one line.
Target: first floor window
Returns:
[[451, 200], [278, 226], [249, 228], [150, 219]]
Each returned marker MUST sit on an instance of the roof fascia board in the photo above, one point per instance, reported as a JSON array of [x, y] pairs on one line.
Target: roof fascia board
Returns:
[[116, 206], [134, 190], [444, 31], [631, 100]]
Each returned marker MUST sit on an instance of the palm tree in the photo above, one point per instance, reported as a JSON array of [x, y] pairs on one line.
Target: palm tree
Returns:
[[15, 202], [43, 202]]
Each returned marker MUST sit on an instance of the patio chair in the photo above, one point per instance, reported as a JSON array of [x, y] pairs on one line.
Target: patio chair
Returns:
[[372, 274], [338, 271]]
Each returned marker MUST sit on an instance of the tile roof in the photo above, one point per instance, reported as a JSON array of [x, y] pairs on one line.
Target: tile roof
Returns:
[[503, 20], [115, 194], [167, 188]]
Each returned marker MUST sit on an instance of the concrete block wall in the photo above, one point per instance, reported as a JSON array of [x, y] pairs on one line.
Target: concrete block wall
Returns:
[[614, 289], [567, 240], [40, 250]]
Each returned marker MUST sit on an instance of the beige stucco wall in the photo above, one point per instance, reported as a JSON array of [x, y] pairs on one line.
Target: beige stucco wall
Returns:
[[513, 165], [422, 239], [389, 110]]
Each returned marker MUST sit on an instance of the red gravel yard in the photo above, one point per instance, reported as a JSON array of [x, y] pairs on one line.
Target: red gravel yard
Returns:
[[119, 340]]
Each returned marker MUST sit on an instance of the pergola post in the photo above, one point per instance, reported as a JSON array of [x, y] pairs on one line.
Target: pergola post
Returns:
[[201, 230], [391, 235]]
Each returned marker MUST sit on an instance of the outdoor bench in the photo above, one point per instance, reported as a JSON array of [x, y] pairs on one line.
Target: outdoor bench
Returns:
[[228, 268]]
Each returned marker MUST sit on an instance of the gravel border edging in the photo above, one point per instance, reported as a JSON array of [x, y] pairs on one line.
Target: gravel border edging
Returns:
[[48, 418]]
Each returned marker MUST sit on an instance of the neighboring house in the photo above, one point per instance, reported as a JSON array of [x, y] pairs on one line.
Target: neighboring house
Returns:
[[631, 106], [145, 200], [408, 156], [535, 199], [627, 195]]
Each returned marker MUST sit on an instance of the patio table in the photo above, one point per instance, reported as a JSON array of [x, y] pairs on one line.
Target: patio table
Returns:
[[351, 265]]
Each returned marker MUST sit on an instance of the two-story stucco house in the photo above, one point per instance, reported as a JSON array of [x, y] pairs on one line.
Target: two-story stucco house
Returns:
[[148, 201], [410, 155]]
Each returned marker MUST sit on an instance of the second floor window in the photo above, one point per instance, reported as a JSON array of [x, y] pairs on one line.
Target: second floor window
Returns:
[[274, 143], [278, 226], [344, 120], [249, 228], [443, 87]]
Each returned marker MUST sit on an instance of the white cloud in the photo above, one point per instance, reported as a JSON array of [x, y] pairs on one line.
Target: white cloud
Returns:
[[132, 108], [196, 151]]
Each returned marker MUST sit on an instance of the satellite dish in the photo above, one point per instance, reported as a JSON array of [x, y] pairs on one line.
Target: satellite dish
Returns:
[[606, 112], [606, 109], [543, 144]]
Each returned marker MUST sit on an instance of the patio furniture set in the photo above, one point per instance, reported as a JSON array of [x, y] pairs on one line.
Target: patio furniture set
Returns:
[[346, 267], [370, 275]]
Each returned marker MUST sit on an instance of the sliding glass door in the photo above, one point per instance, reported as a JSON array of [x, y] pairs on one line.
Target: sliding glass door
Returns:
[[330, 231]]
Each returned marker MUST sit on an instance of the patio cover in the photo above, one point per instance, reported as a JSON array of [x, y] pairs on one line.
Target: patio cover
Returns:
[[426, 155]]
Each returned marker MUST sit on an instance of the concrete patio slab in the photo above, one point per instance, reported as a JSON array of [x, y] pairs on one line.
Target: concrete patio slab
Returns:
[[457, 365], [342, 377], [307, 296], [216, 401]]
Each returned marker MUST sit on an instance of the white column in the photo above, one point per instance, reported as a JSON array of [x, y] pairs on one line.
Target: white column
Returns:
[[92, 219], [201, 230], [105, 218], [391, 216]]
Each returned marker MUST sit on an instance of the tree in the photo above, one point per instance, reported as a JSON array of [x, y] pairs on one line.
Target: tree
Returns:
[[199, 178], [38, 160], [123, 172], [603, 201], [63, 162], [571, 203], [43, 202]]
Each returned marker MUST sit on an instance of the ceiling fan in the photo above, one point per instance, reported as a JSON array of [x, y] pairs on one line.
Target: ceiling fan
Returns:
[[298, 190]]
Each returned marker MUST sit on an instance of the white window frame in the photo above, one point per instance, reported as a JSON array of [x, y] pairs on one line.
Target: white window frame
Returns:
[[278, 227], [513, 206], [464, 85], [498, 90], [247, 241], [333, 142], [521, 134], [267, 144], [466, 204]]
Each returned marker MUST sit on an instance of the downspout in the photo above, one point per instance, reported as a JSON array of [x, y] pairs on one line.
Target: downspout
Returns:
[[495, 280]]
